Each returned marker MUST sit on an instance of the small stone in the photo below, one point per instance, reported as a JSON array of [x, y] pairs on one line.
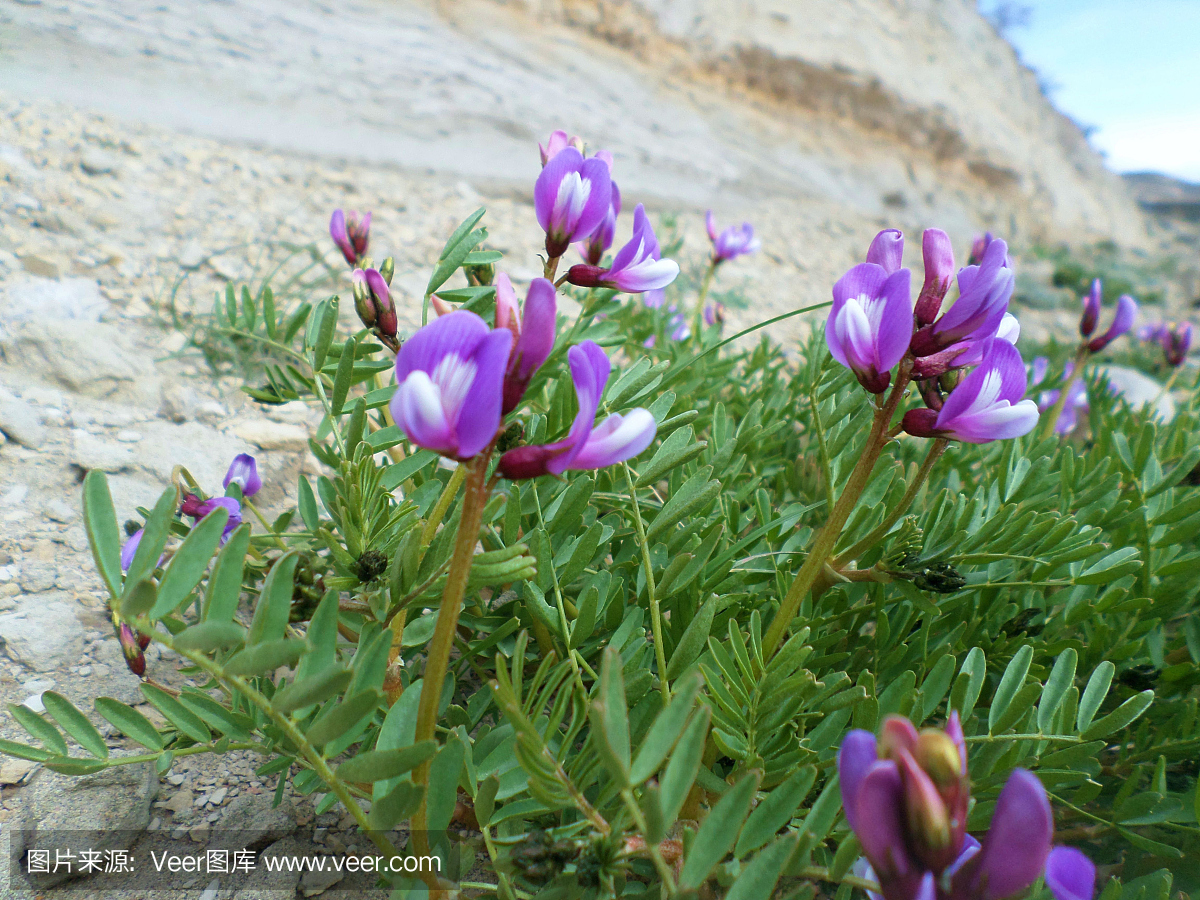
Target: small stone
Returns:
[[180, 801], [59, 510], [20, 422], [15, 771], [90, 452], [268, 435], [95, 161], [38, 578], [218, 796], [192, 256], [39, 265], [200, 833], [85, 671], [43, 633], [34, 702], [313, 883], [127, 436], [39, 684]]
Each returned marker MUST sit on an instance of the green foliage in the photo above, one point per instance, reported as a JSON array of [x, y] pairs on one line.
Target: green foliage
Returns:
[[611, 713]]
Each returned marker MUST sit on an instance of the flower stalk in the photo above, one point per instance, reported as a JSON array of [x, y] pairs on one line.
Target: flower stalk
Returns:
[[1050, 419], [702, 297], [827, 537]]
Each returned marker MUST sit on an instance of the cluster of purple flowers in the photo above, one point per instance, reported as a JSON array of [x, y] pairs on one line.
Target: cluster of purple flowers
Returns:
[[1175, 338], [906, 797], [873, 326]]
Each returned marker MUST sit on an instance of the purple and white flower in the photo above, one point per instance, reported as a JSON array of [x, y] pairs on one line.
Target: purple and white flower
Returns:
[[734, 241], [1122, 321], [984, 292], [1176, 340], [197, 509], [571, 197], [243, 472], [586, 446], [533, 333], [350, 234], [937, 254], [680, 331], [450, 377], [594, 248], [638, 265], [871, 322], [988, 405]]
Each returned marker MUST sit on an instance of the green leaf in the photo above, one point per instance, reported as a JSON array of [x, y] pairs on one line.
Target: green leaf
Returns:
[[692, 498], [485, 800], [100, 520], [1011, 682], [342, 717], [1120, 717], [138, 599], [1094, 694], [75, 766], [268, 656], [154, 538], [1117, 564], [398, 473], [341, 381], [173, 711], [442, 790], [24, 751], [75, 723], [307, 503], [314, 689], [667, 727], [1062, 677], [187, 566], [455, 253], [44, 732], [677, 449], [224, 587], [614, 733], [719, 832], [215, 715], [326, 322], [129, 722], [396, 806], [684, 765], [969, 683], [377, 765], [274, 602], [775, 810], [757, 881], [208, 636], [694, 639]]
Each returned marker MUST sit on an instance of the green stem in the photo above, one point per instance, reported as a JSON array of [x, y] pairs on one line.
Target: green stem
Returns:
[[660, 652], [827, 537], [438, 654], [1153, 404], [550, 268], [826, 468], [1050, 419], [993, 738], [564, 623], [880, 532], [265, 524], [664, 870], [705, 285], [820, 873], [188, 751]]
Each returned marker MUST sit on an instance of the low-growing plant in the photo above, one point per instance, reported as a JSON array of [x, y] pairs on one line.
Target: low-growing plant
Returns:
[[620, 659]]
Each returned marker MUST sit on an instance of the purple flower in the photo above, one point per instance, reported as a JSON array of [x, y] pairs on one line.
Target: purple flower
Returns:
[[197, 509], [129, 550], [906, 797], [938, 256], [650, 342], [533, 333], [586, 446], [1091, 310], [1077, 399], [571, 198], [351, 235], [373, 301], [870, 324], [655, 298], [984, 292], [244, 472], [451, 376], [679, 327], [558, 142], [734, 241], [887, 249], [979, 250], [638, 265], [1153, 332], [1176, 340], [987, 406], [593, 248], [966, 353], [714, 314], [1121, 323]]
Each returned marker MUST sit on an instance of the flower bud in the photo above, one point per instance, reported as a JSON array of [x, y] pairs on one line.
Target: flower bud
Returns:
[[583, 275], [480, 275], [134, 658], [364, 304], [388, 269], [1091, 310], [937, 755], [1121, 323], [1176, 341], [930, 393], [440, 306], [385, 311], [929, 831], [938, 255], [920, 422]]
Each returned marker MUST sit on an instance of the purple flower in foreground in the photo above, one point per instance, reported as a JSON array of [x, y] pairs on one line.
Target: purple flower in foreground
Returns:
[[906, 797], [637, 267], [197, 509], [734, 241], [984, 292], [966, 353], [373, 301], [1122, 319], [870, 324], [243, 471], [351, 235], [988, 404], [1176, 340], [593, 248], [129, 550], [451, 376], [533, 333], [571, 198], [586, 446], [938, 256]]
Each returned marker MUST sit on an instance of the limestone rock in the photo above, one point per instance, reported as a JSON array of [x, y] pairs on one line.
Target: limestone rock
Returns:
[[250, 822], [1138, 390], [21, 422], [43, 633], [269, 435]]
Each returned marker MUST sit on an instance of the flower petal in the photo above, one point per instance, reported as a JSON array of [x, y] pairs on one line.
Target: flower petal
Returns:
[[481, 409], [459, 332], [1017, 843], [616, 439], [855, 757], [887, 249], [1070, 875], [244, 470], [896, 324]]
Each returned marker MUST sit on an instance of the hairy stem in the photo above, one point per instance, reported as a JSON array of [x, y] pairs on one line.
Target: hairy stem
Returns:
[[827, 537], [438, 655], [936, 449]]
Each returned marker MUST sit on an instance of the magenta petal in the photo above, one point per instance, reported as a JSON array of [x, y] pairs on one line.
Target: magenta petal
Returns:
[[129, 550], [480, 417], [864, 280], [244, 470], [599, 199], [1018, 841], [458, 332], [636, 246], [616, 439], [1001, 363], [887, 250], [881, 826], [896, 325], [508, 314], [537, 328], [590, 369], [855, 757], [545, 189], [983, 290], [1070, 875], [710, 225], [954, 731]]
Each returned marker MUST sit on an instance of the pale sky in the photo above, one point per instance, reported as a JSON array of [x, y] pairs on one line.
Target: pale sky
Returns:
[[1130, 68]]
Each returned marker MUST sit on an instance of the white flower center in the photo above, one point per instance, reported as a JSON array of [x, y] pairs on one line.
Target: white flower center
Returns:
[[573, 193], [453, 377]]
